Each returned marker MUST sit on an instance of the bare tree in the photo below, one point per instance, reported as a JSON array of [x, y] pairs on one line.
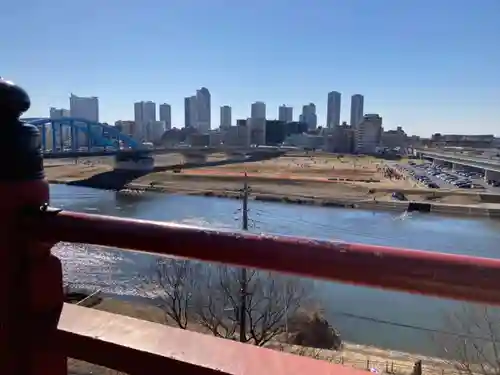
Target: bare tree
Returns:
[[272, 299], [210, 296], [473, 347], [174, 285], [218, 308]]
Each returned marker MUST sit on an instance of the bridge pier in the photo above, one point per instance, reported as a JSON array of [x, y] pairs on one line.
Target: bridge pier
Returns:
[[236, 155], [140, 161], [438, 163], [454, 167], [491, 175], [195, 158]]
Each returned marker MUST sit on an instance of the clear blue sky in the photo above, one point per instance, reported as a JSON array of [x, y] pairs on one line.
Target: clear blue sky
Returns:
[[428, 65]]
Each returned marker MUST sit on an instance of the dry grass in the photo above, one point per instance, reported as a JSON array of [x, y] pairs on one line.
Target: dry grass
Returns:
[[362, 168], [319, 177]]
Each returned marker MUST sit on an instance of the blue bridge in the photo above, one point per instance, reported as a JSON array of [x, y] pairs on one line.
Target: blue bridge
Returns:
[[70, 137], [76, 135]]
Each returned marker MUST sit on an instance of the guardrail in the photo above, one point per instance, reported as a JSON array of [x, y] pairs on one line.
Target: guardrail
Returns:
[[139, 347]]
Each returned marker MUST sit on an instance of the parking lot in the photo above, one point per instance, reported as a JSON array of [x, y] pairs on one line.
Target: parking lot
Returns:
[[437, 177]]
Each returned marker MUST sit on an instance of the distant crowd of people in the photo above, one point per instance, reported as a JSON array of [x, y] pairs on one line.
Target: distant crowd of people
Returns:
[[390, 173]]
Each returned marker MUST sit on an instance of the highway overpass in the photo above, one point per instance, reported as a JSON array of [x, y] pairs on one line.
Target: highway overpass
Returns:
[[490, 165]]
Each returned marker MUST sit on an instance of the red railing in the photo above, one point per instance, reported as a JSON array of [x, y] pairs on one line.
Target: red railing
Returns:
[[140, 347]]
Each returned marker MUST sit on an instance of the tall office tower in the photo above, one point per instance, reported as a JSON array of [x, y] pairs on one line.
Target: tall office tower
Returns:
[[309, 116], [166, 115], [203, 110], [285, 113], [144, 114], [86, 108], [190, 111], [258, 110], [357, 110], [225, 117], [333, 109]]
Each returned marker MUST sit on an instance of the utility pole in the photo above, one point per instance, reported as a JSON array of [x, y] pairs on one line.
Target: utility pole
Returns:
[[243, 280]]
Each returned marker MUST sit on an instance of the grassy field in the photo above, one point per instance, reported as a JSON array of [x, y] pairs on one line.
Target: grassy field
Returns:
[[318, 176]]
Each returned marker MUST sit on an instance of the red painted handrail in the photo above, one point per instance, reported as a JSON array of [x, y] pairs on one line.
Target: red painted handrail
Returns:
[[444, 275], [140, 347]]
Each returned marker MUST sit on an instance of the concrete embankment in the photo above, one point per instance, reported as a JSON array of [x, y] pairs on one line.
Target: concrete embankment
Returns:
[[366, 204], [435, 208], [489, 210]]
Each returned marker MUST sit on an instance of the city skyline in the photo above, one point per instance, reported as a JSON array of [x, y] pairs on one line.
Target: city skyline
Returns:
[[197, 111], [415, 69]]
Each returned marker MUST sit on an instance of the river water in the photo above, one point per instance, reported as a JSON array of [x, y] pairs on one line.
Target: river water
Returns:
[[114, 271]]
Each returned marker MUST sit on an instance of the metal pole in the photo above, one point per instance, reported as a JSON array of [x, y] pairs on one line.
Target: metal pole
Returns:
[[54, 135], [89, 139], [44, 137], [243, 280]]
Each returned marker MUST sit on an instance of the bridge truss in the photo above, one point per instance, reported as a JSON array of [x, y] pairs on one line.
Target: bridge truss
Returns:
[[71, 134]]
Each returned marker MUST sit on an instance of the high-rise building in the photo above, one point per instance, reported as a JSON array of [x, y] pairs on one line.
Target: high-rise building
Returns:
[[309, 116], [357, 110], [86, 108], [258, 110], [190, 111], [204, 112], [144, 113], [62, 133], [340, 139], [285, 113], [333, 109], [257, 130], [225, 117], [166, 115], [368, 134], [126, 127]]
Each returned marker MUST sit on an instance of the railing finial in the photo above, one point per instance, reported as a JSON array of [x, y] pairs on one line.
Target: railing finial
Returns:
[[14, 100], [20, 145]]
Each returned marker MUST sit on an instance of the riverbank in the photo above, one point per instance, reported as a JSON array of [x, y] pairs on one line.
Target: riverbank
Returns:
[[334, 181], [353, 355]]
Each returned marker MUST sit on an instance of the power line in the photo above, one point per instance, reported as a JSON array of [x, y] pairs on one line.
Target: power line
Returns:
[[403, 325]]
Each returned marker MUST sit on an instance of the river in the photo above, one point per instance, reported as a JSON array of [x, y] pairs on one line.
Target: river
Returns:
[[114, 271]]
